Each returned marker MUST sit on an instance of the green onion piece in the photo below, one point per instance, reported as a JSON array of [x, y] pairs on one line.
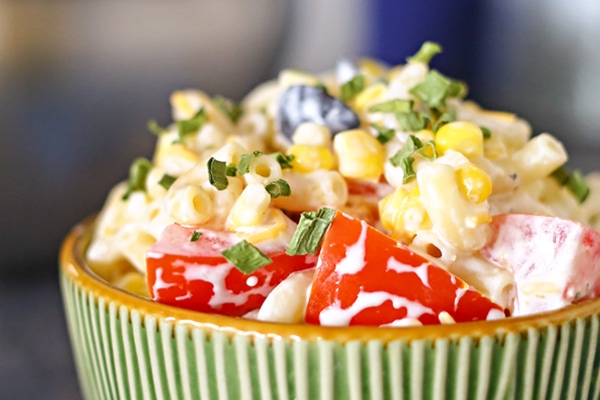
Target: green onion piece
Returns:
[[433, 90], [166, 181], [195, 236], [486, 132], [246, 257], [285, 161], [192, 125], [350, 89], [574, 182], [443, 119], [411, 121], [138, 171], [426, 53], [278, 188], [310, 231], [231, 169], [384, 134], [405, 160], [392, 106], [155, 128], [245, 161], [322, 86], [233, 110], [217, 173]]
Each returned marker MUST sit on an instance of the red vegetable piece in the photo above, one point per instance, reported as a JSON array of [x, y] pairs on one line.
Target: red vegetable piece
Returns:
[[555, 261], [363, 277], [194, 275]]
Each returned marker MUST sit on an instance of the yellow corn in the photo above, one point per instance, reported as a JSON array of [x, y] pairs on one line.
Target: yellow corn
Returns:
[[274, 223], [461, 136], [359, 155], [474, 183], [250, 208], [369, 96], [402, 213], [290, 77], [309, 158]]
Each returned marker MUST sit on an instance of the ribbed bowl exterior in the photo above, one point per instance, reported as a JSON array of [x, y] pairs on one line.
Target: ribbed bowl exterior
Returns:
[[126, 347]]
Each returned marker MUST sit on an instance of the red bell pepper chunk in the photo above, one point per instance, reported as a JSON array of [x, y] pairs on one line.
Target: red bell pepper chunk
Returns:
[[195, 275], [363, 277], [555, 262]]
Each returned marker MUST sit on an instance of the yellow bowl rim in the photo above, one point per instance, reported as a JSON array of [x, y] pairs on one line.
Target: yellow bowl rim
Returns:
[[73, 266]]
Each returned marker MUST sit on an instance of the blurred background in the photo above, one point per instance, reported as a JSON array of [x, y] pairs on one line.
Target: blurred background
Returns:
[[79, 80]]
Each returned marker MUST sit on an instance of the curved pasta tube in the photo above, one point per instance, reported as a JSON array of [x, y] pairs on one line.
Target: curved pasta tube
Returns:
[[456, 219], [538, 158], [310, 191], [264, 169], [189, 205], [250, 208]]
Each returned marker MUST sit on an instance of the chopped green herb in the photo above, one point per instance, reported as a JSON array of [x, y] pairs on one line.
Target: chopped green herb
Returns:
[[404, 158], [322, 86], [384, 134], [233, 110], [195, 236], [278, 188], [245, 161], [138, 171], [574, 182], [411, 121], [392, 106], [426, 53], [231, 169], [486, 132], [310, 231], [155, 128], [442, 119], [192, 125], [166, 181], [217, 173], [433, 90], [246, 257], [350, 89], [285, 161]]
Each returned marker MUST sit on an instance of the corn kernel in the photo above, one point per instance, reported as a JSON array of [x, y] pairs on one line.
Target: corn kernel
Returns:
[[309, 158], [359, 155], [368, 97], [474, 183], [402, 213], [313, 134], [461, 136]]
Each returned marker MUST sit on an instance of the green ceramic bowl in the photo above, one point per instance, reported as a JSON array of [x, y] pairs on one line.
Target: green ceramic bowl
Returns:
[[128, 347]]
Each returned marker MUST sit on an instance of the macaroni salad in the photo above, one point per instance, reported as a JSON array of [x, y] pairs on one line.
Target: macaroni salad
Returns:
[[367, 195]]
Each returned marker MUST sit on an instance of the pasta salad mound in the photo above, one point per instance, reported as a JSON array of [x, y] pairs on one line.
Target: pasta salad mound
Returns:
[[366, 195]]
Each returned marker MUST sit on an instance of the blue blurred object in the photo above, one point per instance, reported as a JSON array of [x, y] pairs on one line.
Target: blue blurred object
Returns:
[[398, 28]]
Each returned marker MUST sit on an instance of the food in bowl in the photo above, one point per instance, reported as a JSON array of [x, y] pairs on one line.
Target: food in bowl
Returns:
[[368, 195]]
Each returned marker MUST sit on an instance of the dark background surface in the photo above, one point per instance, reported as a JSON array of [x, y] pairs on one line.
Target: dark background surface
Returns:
[[79, 81]]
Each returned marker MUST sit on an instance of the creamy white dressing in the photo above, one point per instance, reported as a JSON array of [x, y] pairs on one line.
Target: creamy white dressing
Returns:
[[215, 275], [334, 315], [354, 260], [421, 271]]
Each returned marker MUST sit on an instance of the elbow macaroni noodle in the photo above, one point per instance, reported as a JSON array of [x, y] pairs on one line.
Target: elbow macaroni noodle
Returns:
[[444, 211]]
